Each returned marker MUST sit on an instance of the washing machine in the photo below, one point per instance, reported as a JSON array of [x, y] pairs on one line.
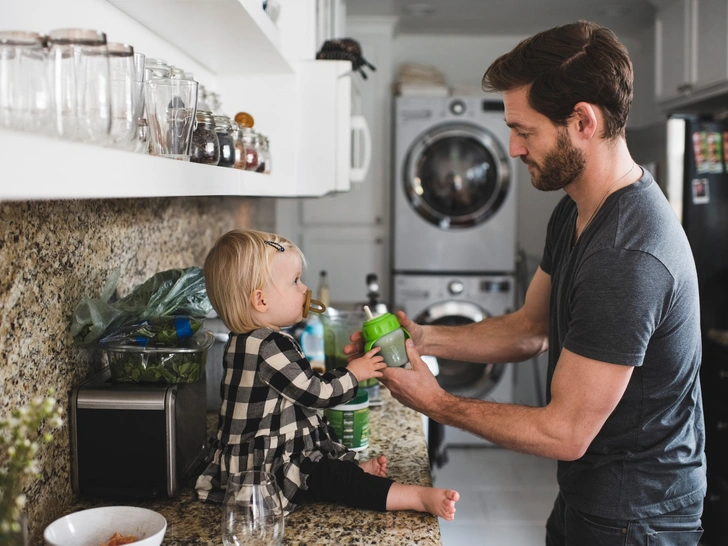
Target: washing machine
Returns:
[[454, 186], [455, 299]]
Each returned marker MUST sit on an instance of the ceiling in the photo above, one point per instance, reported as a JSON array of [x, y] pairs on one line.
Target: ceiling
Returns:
[[514, 17]]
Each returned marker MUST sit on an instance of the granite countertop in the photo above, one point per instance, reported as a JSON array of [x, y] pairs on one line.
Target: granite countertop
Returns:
[[395, 431]]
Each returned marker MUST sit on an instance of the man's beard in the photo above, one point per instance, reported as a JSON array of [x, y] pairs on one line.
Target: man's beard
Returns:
[[560, 167]]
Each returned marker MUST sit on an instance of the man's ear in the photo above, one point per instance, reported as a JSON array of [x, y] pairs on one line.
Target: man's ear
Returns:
[[587, 120], [257, 301]]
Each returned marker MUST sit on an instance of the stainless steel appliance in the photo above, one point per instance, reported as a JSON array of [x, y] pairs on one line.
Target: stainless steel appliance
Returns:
[[141, 440], [453, 299], [454, 201]]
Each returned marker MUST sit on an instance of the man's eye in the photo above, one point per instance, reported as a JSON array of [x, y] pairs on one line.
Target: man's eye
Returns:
[[523, 135]]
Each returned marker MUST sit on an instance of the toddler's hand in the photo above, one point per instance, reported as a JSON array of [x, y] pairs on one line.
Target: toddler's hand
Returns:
[[367, 366]]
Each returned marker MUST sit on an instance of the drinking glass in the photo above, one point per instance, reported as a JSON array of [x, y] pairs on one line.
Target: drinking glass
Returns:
[[171, 108], [79, 67], [252, 514], [25, 100], [123, 89]]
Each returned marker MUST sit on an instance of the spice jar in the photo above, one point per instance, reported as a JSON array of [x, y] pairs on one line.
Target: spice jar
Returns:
[[205, 146], [237, 133], [250, 141], [225, 138]]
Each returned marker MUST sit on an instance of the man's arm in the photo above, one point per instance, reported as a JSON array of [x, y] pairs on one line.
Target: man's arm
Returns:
[[584, 392], [514, 337]]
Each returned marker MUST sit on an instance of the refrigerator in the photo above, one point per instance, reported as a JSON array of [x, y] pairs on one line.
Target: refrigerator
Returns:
[[688, 155]]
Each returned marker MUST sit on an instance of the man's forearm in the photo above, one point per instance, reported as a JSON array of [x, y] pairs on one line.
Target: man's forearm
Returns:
[[520, 428], [509, 338]]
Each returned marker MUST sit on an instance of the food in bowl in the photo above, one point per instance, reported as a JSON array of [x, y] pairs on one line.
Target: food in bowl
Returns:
[[95, 526], [183, 363], [119, 540]]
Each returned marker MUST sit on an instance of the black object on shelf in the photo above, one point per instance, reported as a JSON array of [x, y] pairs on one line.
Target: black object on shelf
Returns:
[[345, 49]]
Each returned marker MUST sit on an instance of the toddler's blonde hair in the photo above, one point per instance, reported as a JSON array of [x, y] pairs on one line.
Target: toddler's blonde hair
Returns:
[[238, 264]]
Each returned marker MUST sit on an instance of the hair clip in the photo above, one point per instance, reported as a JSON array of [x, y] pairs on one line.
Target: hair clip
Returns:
[[277, 246]]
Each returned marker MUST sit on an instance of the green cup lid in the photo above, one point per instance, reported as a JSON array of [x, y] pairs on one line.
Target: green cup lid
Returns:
[[379, 326]]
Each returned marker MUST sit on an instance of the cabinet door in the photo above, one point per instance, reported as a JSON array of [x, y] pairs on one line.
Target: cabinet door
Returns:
[[711, 43], [672, 50]]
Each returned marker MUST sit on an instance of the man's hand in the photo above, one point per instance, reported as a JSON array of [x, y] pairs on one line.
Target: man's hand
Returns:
[[416, 388]]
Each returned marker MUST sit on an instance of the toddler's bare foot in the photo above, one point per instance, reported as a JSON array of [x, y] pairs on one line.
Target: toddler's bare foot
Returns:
[[441, 502], [438, 502], [375, 467]]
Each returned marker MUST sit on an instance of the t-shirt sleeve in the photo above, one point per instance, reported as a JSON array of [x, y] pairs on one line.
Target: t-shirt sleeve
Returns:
[[282, 366], [619, 299]]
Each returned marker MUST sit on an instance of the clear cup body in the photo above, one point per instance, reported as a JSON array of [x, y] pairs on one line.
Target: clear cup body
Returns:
[[252, 512], [171, 108], [124, 96], [79, 68], [25, 95], [392, 348]]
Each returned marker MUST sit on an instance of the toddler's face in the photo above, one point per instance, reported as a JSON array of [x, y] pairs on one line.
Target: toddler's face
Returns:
[[285, 293]]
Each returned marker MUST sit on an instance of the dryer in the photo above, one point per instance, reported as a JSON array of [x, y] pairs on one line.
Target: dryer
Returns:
[[454, 201], [454, 299]]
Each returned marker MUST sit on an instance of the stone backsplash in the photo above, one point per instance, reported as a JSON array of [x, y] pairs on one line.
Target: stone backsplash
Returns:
[[52, 253]]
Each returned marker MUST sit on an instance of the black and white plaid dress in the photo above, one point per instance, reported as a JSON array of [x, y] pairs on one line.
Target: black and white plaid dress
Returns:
[[268, 418]]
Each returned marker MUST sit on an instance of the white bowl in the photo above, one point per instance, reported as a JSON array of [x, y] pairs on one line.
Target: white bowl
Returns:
[[96, 526]]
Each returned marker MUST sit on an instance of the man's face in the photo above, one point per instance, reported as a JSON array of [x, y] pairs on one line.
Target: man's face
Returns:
[[553, 161]]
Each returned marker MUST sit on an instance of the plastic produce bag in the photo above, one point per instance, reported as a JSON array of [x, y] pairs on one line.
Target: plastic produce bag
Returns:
[[171, 292], [156, 331]]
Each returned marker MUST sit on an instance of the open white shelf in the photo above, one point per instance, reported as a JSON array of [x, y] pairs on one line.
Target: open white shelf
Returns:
[[42, 168], [226, 36]]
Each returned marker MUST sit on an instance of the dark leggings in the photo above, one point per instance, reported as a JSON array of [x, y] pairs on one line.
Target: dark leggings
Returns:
[[332, 480]]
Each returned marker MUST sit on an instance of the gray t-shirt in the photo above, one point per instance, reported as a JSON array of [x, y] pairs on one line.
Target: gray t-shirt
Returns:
[[627, 293]]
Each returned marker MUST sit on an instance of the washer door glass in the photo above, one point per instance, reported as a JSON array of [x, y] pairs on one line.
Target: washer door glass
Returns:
[[456, 176], [466, 379]]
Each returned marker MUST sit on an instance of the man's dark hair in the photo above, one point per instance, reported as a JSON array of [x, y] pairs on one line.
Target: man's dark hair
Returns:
[[578, 62]]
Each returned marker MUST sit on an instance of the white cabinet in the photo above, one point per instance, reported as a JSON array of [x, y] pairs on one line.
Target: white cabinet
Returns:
[[302, 105], [691, 50]]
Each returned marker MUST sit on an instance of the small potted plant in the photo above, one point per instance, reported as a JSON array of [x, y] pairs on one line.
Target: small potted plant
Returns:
[[21, 435]]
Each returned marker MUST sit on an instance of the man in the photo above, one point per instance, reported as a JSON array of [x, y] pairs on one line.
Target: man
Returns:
[[615, 301]]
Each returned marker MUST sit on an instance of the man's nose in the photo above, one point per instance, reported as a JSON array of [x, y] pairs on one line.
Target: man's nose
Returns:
[[516, 149]]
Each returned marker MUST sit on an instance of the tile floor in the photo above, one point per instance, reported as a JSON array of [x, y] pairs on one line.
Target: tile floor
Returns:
[[505, 497]]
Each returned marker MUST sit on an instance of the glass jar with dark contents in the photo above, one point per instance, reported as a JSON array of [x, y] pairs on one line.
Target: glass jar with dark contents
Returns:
[[225, 139], [205, 146]]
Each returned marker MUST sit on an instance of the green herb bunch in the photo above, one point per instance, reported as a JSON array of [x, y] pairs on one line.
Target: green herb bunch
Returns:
[[20, 437]]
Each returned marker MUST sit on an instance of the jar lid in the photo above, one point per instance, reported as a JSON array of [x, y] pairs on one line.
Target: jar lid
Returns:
[[120, 50], [204, 116], [222, 122], [244, 119], [77, 36], [380, 326], [21, 38]]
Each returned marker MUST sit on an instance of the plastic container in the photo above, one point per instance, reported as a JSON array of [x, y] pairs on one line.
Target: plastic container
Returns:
[[385, 331], [312, 343], [350, 421], [184, 363]]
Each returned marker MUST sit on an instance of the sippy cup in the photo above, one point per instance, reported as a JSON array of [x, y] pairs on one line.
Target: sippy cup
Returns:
[[385, 331], [312, 305]]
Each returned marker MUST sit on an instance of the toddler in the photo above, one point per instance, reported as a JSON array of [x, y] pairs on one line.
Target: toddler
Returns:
[[270, 395]]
